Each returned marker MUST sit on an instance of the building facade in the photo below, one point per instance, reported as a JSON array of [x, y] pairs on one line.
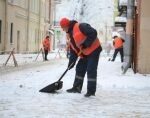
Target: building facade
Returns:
[[141, 34], [143, 37], [23, 24]]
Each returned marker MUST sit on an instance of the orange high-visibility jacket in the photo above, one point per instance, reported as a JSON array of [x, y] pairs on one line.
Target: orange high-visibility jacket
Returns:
[[79, 38], [118, 43], [46, 44]]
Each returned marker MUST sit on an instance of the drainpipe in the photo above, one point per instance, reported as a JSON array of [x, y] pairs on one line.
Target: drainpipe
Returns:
[[128, 37]]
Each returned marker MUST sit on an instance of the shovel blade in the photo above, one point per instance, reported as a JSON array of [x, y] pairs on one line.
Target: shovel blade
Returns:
[[52, 87]]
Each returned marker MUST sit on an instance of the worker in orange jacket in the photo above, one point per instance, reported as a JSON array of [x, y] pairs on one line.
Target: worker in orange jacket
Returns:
[[46, 46], [84, 44], [118, 45]]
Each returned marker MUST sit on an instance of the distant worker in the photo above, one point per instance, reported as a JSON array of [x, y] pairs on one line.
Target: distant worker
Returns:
[[84, 44], [46, 46], [118, 45]]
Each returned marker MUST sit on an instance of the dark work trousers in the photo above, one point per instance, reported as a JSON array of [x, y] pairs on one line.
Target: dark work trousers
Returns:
[[87, 64], [116, 52], [46, 53]]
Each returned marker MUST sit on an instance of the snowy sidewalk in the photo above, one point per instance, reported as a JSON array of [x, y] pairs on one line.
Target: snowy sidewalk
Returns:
[[125, 96], [23, 59], [27, 60]]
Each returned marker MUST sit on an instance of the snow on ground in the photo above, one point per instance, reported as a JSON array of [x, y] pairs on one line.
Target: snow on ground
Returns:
[[23, 59], [125, 96]]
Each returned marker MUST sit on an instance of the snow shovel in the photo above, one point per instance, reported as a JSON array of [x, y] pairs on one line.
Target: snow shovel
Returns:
[[56, 85]]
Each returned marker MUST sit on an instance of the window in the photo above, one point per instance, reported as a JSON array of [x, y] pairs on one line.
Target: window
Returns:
[[0, 30], [11, 33], [18, 40]]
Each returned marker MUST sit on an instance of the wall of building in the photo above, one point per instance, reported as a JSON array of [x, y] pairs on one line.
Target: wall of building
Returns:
[[20, 28], [28, 20], [2, 27], [144, 38]]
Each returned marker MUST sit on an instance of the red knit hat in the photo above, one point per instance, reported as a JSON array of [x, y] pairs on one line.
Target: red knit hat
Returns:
[[64, 22]]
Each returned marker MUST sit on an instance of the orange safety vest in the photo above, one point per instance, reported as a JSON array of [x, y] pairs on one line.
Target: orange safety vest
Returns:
[[46, 44], [79, 38], [118, 43]]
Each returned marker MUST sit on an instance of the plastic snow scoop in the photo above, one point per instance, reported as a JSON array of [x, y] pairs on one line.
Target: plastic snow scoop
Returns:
[[56, 85]]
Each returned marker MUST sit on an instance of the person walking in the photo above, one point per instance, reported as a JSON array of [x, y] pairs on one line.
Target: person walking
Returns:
[[84, 44], [46, 46], [118, 45]]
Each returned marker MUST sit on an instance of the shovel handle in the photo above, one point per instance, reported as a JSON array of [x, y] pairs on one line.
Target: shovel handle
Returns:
[[65, 71]]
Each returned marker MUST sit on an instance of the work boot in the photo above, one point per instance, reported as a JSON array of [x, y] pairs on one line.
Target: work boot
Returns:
[[112, 60], [88, 94], [74, 90]]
